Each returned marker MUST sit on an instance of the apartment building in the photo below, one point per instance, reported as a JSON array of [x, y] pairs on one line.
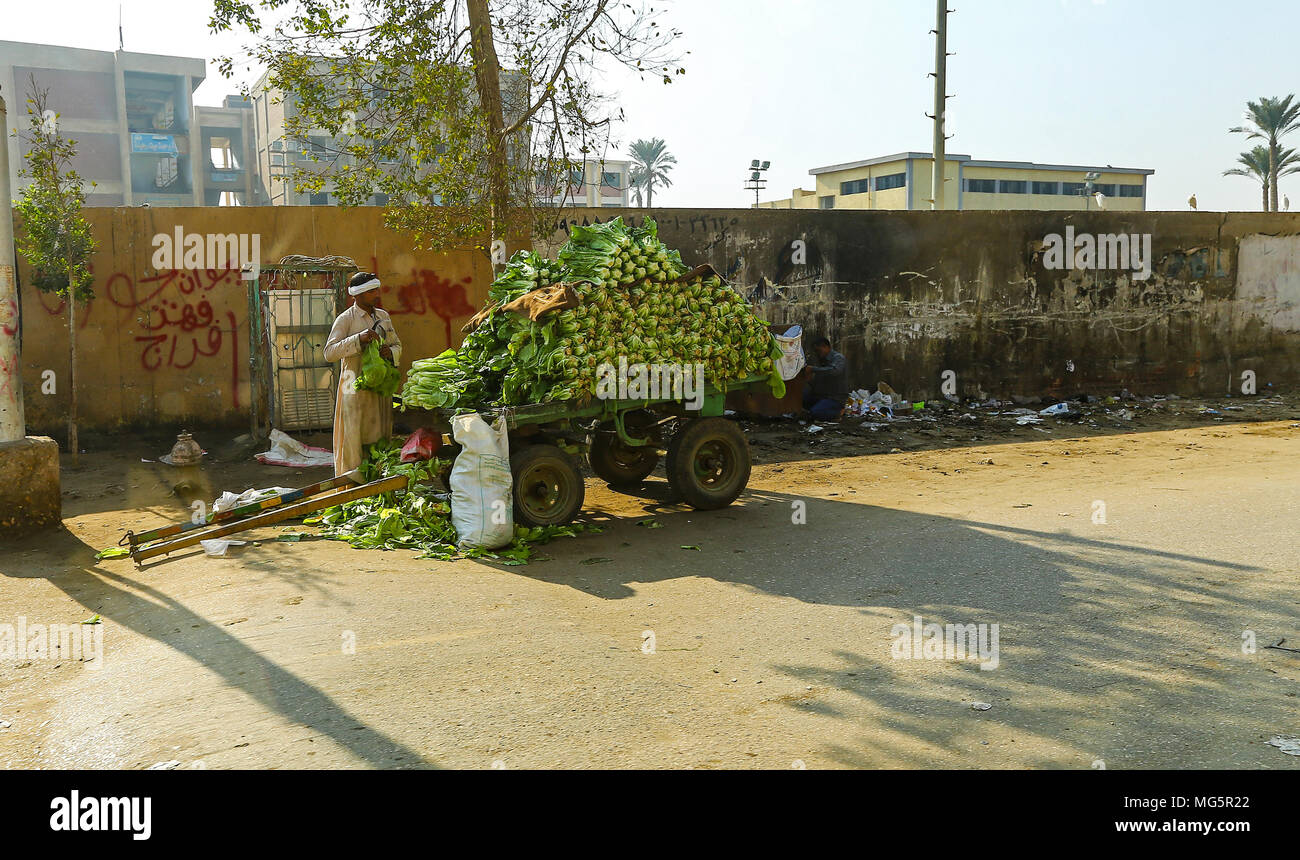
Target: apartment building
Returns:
[[130, 113], [596, 183], [904, 181]]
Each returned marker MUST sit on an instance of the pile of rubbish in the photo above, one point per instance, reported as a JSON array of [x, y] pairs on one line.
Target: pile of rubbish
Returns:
[[615, 293], [419, 517]]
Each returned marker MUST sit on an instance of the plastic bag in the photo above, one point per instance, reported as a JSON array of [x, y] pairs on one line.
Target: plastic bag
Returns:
[[421, 445], [791, 360], [378, 374], [481, 503]]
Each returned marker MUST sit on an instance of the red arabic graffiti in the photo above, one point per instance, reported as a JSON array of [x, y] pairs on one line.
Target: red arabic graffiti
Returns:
[[178, 331], [428, 291]]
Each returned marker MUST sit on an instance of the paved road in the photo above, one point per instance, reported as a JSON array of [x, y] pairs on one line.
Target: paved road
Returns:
[[772, 646]]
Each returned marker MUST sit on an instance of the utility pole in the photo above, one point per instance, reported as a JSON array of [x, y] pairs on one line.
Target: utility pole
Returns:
[[940, 99], [13, 424]]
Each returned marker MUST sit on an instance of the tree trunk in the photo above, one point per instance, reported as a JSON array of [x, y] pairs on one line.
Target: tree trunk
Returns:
[[487, 79], [1264, 187], [649, 192], [73, 444], [1272, 174]]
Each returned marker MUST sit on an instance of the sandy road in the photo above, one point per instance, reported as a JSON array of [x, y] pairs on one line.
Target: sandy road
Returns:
[[1119, 642]]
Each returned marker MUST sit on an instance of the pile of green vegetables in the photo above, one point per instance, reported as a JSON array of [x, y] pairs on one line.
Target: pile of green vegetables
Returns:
[[635, 304], [378, 374], [419, 517]]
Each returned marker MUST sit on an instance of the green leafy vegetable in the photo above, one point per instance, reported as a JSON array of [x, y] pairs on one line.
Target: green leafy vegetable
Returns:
[[419, 518], [635, 304], [378, 374]]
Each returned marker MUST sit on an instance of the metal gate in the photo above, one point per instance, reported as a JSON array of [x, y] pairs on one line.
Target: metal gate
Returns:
[[291, 307]]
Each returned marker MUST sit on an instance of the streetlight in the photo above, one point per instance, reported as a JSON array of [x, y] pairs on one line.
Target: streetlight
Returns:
[[1088, 182], [756, 182]]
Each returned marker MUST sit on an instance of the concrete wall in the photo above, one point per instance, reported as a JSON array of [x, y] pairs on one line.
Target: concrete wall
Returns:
[[171, 346], [908, 295], [905, 295]]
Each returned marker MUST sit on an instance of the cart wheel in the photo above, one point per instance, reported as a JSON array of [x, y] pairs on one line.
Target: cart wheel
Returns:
[[708, 463], [548, 487], [616, 462]]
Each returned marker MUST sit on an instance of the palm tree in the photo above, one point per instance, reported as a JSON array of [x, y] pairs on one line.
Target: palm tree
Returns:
[[651, 162], [1255, 166], [1271, 120]]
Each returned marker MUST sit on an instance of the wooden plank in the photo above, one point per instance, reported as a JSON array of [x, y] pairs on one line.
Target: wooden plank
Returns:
[[374, 488], [134, 540]]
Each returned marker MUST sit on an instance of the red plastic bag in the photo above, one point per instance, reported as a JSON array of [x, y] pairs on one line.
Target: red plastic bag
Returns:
[[421, 445]]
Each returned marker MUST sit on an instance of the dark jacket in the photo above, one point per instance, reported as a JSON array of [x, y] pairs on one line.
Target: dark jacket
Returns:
[[830, 380]]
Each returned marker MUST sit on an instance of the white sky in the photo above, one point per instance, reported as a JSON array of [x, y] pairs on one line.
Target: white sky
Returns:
[[805, 83]]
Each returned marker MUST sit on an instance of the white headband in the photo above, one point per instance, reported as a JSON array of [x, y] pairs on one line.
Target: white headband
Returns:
[[372, 284]]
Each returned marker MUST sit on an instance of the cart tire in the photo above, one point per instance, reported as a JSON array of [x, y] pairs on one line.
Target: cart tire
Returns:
[[618, 463], [708, 463], [548, 488]]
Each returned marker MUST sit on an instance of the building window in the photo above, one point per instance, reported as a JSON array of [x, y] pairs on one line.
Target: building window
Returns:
[[611, 180], [1074, 188], [1014, 186], [321, 199], [1108, 190], [982, 186], [827, 202], [893, 180], [1047, 188], [379, 200], [1130, 190], [277, 159], [856, 186]]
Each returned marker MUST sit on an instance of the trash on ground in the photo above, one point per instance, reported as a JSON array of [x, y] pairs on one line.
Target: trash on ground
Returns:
[[217, 547], [1288, 745], [980, 706], [287, 451]]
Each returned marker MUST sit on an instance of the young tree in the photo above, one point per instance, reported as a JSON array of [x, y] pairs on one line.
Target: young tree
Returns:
[[651, 163], [1270, 120], [454, 109], [56, 239]]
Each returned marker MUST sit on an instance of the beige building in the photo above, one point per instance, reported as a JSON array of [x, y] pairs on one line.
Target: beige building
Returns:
[[904, 181]]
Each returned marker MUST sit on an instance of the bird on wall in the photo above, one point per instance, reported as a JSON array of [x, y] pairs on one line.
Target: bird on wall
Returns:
[[1191, 201], [1100, 198]]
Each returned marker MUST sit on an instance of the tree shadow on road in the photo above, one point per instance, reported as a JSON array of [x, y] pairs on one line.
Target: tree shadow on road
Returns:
[[153, 614], [1108, 650]]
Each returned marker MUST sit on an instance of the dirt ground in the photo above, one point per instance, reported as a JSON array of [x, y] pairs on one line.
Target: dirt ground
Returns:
[[1125, 558]]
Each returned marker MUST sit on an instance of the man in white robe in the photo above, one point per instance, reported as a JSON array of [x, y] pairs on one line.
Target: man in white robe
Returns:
[[360, 417]]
